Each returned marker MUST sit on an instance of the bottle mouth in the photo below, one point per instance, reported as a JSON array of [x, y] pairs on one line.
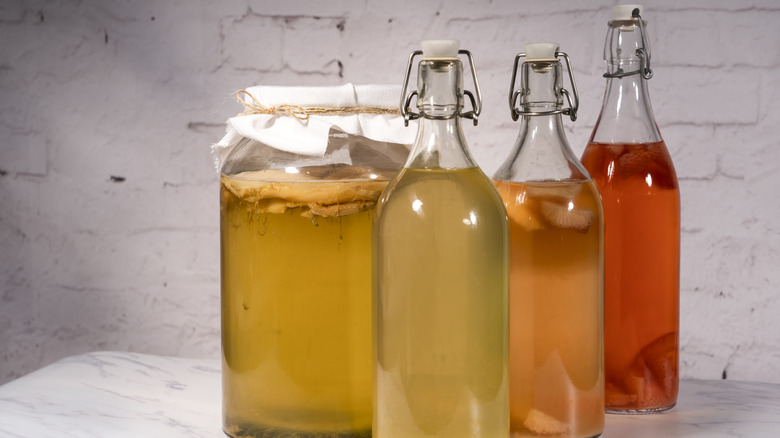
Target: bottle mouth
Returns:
[[626, 51], [440, 83], [441, 65], [628, 25], [541, 90]]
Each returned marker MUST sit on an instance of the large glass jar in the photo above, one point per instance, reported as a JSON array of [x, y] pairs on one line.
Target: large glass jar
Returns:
[[296, 283]]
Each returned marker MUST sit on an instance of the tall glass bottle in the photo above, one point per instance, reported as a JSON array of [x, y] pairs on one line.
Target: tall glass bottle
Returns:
[[556, 262], [630, 163], [440, 275]]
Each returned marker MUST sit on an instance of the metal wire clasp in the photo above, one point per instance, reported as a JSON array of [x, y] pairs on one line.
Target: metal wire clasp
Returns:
[[572, 98], [643, 53], [406, 100]]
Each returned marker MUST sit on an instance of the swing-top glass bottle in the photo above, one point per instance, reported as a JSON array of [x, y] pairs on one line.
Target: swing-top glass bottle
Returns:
[[556, 261], [440, 274], [629, 161]]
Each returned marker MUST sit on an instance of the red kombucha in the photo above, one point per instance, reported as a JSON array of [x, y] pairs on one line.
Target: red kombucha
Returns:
[[641, 200]]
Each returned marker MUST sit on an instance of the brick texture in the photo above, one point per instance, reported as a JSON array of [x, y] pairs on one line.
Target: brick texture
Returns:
[[109, 218]]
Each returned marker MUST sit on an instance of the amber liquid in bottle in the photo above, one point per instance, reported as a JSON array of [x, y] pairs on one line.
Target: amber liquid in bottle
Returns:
[[556, 382], [641, 200], [442, 363]]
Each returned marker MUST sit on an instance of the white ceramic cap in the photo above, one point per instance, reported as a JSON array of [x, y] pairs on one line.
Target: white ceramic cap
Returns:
[[440, 48], [623, 12], [541, 51]]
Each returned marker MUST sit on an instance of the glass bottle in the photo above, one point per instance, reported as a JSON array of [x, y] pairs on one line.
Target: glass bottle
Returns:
[[440, 274], [631, 166], [556, 262]]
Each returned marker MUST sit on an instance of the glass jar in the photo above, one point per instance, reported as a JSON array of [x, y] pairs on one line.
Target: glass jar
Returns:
[[296, 279]]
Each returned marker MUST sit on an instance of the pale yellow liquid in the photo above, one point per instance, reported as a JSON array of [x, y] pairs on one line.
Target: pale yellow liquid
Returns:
[[296, 306], [441, 285], [556, 308]]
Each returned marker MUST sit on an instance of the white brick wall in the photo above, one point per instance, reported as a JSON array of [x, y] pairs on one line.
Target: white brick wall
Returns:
[[108, 201]]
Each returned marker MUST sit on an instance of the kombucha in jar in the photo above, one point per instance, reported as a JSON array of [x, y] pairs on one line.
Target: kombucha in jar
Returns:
[[296, 305], [301, 171]]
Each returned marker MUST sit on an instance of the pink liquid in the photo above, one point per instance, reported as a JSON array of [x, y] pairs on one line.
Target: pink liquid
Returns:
[[641, 200]]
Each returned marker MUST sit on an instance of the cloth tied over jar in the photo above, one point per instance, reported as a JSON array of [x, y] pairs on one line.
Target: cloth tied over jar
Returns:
[[300, 120]]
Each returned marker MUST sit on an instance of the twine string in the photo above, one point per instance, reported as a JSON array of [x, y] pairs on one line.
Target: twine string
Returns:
[[253, 106]]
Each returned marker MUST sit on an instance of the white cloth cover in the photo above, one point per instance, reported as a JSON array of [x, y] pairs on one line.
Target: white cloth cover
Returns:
[[310, 137]]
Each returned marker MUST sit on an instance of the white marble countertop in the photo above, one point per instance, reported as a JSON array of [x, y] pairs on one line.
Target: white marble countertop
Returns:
[[111, 394]]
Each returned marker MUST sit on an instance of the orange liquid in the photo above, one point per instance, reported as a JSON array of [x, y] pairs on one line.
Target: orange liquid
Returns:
[[555, 351], [641, 202]]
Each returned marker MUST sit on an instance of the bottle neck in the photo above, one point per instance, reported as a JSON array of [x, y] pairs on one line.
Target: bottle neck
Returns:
[[541, 152], [626, 113], [440, 142], [541, 85]]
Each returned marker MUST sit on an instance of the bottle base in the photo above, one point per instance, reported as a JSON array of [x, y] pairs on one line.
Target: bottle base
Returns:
[[639, 411], [521, 435], [261, 431]]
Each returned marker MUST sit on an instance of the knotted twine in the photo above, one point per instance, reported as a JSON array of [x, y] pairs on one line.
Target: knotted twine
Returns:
[[302, 113]]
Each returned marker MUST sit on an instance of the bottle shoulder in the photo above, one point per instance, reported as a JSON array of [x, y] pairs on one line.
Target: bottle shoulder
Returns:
[[439, 194], [631, 164], [541, 152], [626, 113]]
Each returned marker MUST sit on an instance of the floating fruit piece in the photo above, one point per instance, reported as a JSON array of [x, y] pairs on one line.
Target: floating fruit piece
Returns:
[[648, 394], [646, 159], [660, 357], [542, 424], [632, 161], [519, 212], [553, 191], [616, 397], [524, 216], [614, 149], [563, 217]]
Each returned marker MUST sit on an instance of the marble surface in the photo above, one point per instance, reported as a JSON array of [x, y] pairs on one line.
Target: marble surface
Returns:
[[116, 395], [111, 394]]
